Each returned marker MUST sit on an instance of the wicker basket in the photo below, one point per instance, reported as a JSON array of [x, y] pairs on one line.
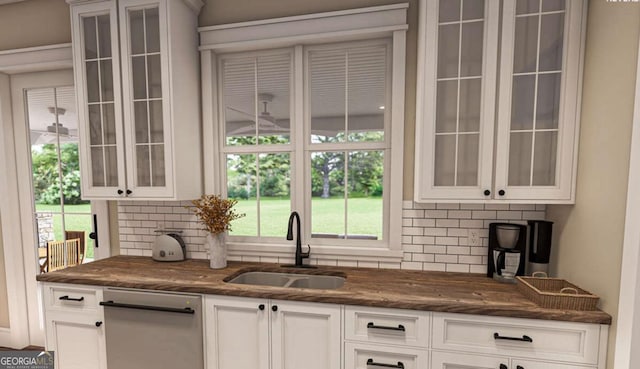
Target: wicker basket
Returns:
[[553, 293]]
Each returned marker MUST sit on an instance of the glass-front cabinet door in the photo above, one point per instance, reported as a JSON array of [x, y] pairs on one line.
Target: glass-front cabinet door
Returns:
[[456, 136], [145, 105], [539, 92], [98, 99]]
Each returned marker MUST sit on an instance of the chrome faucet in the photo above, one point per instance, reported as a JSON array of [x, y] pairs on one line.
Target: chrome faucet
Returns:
[[299, 254]]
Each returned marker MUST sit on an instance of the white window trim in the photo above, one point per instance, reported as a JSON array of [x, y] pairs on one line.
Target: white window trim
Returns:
[[349, 25]]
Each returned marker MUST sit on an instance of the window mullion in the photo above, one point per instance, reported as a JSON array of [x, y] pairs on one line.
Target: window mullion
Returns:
[[300, 186]]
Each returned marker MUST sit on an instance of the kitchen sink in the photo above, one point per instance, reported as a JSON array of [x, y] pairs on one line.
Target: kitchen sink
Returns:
[[293, 280]]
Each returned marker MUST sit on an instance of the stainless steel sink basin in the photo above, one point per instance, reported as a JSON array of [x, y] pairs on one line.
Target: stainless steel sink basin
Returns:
[[293, 280]]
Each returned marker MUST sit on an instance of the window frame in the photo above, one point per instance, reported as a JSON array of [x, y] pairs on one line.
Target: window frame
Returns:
[[298, 33]]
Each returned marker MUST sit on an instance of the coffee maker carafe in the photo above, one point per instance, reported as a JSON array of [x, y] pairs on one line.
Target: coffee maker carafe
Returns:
[[507, 246]]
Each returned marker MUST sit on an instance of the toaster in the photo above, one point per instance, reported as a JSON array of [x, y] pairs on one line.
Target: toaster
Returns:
[[168, 247]]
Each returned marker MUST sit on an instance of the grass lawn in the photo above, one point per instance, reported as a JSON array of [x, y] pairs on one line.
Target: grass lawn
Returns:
[[364, 217], [73, 222]]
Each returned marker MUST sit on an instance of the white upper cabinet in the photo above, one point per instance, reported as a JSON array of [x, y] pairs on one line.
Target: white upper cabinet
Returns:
[[524, 91], [137, 81]]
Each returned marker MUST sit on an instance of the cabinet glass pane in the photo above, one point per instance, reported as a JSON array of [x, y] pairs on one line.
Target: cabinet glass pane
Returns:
[[106, 80], [367, 69], [527, 6], [154, 76], [446, 106], [470, 99], [328, 195], [97, 167], [445, 160], [95, 125], [551, 38], [448, 45], [239, 90], [274, 117], [141, 121], [544, 160], [553, 5], [471, 50], [136, 31], [104, 36], [472, 9], [156, 121], [152, 27], [93, 82], [520, 159], [90, 39], [111, 166], [525, 54], [468, 155], [449, 11], [328, 95], [139, 74], [109, 123], [522, 102], [548, 104], [143, 166], [241, 185], [157, 165]]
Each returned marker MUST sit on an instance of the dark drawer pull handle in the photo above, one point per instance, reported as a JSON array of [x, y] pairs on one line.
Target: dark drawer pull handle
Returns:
[[400, 365], [519, 367], [67, 298], [186, 310], [502, 366], [399, 328], [524, 338]]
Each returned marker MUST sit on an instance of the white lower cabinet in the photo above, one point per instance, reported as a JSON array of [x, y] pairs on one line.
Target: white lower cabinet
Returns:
[[259, 333], [74, 326], [367, 356]]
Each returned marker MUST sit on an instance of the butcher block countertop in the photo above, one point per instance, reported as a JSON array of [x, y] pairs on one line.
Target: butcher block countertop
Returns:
[[387, 288]]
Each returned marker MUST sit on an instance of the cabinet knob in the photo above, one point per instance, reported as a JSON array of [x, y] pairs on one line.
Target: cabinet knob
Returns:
[[261, 306], [501, 192], [120, 192], [274, 308], [129, 192], [487, 192], [519, 367], [98, 324], [502, 366]]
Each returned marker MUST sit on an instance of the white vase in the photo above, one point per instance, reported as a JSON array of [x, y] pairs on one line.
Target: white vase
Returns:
[[217, 244]]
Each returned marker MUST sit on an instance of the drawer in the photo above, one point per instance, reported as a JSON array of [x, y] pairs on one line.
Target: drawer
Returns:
[[72, 297], [394, 326], [528, 338], [449, 360], [368, 356], [527, 364]]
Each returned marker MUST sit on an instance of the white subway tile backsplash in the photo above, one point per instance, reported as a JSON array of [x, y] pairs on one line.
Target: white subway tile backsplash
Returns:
[[435, 236]]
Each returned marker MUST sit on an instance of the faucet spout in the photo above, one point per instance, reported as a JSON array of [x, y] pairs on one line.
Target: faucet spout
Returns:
[[299, 254]]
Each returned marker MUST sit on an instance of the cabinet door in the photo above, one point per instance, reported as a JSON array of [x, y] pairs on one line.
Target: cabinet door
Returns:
[[542, 48], [305, 335], [447, 360], [456, 99], [77, 340], [237, 333], [97, 74], [146, 102]]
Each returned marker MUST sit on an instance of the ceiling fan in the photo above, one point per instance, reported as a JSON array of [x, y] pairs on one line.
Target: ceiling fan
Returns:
[[53, 131], [266, 121]]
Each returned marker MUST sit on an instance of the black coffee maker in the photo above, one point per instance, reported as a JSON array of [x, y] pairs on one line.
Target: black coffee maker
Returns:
[[539, 246], [507, 251]]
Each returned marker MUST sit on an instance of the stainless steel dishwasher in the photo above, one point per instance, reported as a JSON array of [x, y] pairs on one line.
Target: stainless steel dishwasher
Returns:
[[153, 330]]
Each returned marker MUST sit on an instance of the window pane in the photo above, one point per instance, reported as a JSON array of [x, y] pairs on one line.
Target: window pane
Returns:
[[239, 93], [470, 99], [154, 78], [89, 34], [327, 195], [548, 105], [552, 5], [522, 100], [520, 159], [472, 9], [468, 159], [367, 70], [275, 194], [93, 83], [527, 6], [551, 39], [106, 80], [471, 49], [143, 166], [156, 122], [525, 54], [544, 162], [448, 48], [97, 167], [139, 77], [327, 99], [141, 121], [111, 165], [157, 165], [109, 123], [449, 10], [152, 29], [136, 32], [104, 36], [274, 116], [446, 106], [241, 185], [445, 159], [364, 204], [95, 125]]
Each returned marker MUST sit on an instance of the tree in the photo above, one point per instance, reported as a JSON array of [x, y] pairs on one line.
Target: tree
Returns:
[[46, 178]]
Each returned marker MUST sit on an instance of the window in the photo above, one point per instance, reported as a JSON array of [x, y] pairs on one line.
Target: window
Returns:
[[301, 119]]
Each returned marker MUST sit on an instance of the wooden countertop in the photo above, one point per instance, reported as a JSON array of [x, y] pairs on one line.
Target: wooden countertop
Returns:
[[431, 291]]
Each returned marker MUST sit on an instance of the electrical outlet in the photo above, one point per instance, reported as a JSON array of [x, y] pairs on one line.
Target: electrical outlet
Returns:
[[474, 237]]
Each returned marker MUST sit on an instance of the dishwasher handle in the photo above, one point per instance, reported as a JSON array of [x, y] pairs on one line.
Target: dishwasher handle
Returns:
[[110, 303]]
